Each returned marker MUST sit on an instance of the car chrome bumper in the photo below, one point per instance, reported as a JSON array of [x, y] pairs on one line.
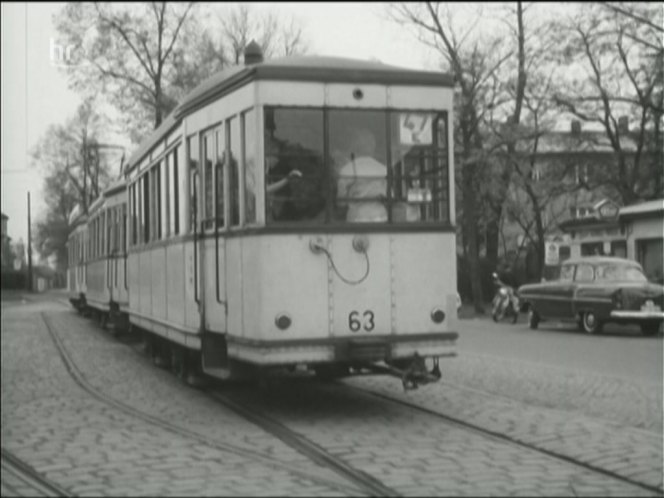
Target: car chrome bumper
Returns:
[[638, 315]]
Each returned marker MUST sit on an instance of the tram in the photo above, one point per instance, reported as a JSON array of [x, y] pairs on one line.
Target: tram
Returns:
[[295, 213]]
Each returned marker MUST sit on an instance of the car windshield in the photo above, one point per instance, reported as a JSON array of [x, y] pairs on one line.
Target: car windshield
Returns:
[[619, 273]]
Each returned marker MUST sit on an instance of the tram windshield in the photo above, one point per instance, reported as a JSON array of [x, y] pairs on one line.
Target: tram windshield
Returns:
[[356, 166]]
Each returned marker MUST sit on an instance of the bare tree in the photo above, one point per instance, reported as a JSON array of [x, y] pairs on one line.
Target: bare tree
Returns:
[[76, 167], [277, 35], [619, 47], [128, 51], [475, 68]]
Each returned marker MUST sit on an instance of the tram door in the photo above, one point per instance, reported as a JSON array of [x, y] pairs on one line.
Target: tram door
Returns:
[[212, 243]]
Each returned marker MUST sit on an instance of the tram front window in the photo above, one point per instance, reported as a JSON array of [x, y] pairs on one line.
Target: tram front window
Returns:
[[294, 174], [382, 166]]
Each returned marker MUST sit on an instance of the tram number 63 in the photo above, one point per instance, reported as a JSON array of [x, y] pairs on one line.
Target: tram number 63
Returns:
[[355, 323]]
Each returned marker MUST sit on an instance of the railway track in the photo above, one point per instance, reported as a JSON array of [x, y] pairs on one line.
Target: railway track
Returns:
[[351, 482], [32, 483], [356, 481], [508, 439]]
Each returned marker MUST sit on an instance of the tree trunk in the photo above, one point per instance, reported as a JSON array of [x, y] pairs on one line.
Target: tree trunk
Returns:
[[470, 223], [492, 236]]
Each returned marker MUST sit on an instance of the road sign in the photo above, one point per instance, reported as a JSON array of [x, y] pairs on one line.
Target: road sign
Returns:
[[552, 254]]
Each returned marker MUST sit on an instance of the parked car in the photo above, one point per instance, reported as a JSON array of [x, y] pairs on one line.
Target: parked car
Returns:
[[595, 290]]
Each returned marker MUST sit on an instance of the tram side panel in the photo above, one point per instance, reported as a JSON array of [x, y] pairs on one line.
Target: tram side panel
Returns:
[[192, 278], [97, 294], [158, 269], [133, 280], [175, 284]]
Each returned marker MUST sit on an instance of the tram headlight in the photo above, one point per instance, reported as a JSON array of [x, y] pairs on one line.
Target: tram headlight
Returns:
[[437, 315], [282, 321]]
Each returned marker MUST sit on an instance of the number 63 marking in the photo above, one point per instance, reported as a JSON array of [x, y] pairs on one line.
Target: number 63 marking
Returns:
[[355, 324]]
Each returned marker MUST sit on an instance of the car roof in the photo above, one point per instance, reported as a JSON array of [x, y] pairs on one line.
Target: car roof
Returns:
[[594, 260]]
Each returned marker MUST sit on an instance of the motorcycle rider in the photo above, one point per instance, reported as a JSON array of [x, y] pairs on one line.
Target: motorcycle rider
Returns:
[[511, 294]]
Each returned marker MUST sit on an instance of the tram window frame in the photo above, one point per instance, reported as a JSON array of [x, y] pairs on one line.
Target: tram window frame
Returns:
[[207, 155], [192, 171], [427, 183], [102, 235], [298, 145], [139, 212], [165, 197], [175, 205], [234, 149], [434, 198], [132, 216], [249, 139], [220, 180], [157, 202]]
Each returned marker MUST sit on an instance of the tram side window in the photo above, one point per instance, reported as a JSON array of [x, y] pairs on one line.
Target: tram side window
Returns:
[[157, 202], [233, 170], [163, 197], [249, 156], [220, 166], [174, 193], [193, 151], [420, 187], [145, 222], [294, 168], [208, 179], [134, 216]]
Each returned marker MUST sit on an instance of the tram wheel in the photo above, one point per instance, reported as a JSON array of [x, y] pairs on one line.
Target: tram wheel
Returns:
[[179, 363]]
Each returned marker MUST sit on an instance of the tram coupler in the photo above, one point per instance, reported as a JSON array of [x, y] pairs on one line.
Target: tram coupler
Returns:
[[414, 374]]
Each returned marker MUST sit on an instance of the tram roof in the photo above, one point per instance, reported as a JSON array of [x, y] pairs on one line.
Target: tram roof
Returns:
[[323, 69]]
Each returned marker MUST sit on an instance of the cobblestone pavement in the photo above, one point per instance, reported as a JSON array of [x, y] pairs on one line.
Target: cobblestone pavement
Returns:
[[94, 449], [623, 401]]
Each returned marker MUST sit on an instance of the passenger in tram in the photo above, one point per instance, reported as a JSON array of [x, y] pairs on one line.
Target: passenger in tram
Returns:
[[276, 167], [363, 178]]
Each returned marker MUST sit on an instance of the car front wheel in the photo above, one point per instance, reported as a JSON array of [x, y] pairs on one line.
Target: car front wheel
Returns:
[[591, 324], [533, 319]]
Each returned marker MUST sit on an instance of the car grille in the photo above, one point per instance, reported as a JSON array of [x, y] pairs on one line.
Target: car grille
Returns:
[[635, 300]]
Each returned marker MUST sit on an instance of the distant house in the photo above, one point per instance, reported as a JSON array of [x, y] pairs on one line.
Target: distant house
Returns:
[[581, 216], [643, 225]]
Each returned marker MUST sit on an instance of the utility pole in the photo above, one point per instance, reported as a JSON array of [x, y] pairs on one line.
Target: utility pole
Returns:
[[29, 249]]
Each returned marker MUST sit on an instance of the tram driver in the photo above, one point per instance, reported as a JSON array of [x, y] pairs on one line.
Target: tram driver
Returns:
[[363, 178], [276, 189]]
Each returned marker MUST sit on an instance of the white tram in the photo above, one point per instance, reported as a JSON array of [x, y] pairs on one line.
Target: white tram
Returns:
[[76, 254], [297, 212]]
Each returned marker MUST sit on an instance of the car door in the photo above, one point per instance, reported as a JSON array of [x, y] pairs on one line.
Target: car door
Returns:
[[560, 295], [584, 283]]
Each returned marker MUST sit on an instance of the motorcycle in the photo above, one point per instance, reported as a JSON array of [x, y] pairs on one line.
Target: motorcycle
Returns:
[[505, 302]]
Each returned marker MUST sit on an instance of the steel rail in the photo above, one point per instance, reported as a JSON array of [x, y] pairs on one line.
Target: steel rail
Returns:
[[364, 481], [31, 477], [508, 439], [248, 453]]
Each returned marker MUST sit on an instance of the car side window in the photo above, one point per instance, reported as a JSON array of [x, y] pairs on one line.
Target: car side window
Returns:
[[584, 273], [566, 273]]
